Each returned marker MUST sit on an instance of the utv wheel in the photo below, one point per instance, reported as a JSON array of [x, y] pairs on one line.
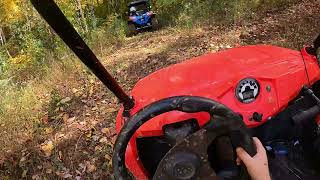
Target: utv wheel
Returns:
[[131, 30], [155, 23]]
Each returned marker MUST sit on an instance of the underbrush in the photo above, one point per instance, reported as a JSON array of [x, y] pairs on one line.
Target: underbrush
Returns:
[[187, 13], [24, 106]]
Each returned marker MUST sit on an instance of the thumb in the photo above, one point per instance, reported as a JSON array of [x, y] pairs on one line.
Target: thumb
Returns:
[[243, 156]]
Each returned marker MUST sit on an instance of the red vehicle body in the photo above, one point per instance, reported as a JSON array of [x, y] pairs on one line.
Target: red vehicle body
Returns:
[[280, 72]]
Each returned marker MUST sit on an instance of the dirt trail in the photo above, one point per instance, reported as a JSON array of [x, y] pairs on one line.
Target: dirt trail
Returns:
[[82, 145]]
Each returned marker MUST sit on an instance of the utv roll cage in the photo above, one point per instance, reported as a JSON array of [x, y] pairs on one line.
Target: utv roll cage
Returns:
[[136, 3]]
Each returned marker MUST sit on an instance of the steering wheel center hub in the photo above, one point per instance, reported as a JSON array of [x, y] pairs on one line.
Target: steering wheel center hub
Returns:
[[182, 165]]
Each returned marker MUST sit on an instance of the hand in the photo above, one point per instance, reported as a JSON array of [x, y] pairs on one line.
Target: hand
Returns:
[[257, 166]]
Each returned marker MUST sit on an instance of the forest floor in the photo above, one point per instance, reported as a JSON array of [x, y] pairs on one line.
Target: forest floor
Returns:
[[76, 137]]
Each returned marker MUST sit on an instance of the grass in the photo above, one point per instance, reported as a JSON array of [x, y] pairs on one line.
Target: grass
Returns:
[[22, 108], [19, 112]]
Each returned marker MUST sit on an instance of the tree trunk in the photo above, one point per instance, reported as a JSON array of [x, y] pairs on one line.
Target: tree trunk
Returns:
[[3, 41], [2, 37], [84, 22], [93, 16]]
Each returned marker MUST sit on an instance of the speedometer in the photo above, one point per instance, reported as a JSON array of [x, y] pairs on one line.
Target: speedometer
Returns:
[[247, 90]]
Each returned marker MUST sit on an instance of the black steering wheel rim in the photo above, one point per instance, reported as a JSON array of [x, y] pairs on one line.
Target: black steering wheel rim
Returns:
[[188, 104]]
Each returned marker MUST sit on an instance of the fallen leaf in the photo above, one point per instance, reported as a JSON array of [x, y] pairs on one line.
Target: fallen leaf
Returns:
[[74, 90], [60, 155], [95, 138], [45, 119], [113, 140], [83, 167], [60, 136], [107, 157], [48, 130], [67, 175], [47, 148], [113, 132], [91, 168], [98, 148], [23, 159], [111, 110], [103, 140], [48, 171], [65, 118], [65, 100], [35, 177], [89, 134], [90, 91], [24, 173], [70, 120], [105, 130]]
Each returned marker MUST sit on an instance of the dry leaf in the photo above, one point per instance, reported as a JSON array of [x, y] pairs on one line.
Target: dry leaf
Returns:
[[65, 118], [45, 119], [65, 100], [113, 132], [95, 138], [60, 136], [107, 157], [67, 175], [113, 140], [48, 130], [23, 159], [24, 173], [104, 140], [111, 110], [47, 148], [98, 148], [60, 155], [74, 90], [91, 168], [70, 120], [105, 130], [91, 91], [49, 171], [35, 177]]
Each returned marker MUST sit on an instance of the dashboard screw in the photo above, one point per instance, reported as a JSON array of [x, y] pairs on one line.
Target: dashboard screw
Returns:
[[268, 88]]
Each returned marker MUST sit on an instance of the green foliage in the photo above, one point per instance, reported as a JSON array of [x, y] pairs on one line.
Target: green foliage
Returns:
[[193, 12]]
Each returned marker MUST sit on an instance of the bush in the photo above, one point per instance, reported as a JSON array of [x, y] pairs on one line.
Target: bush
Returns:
[[193, 12], [110, 33], [19, 110]]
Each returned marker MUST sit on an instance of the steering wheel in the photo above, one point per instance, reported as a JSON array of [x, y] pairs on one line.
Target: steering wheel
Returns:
[[188, 159]]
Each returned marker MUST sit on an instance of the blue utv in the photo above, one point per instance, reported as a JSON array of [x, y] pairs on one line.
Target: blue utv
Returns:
[[140, 17]]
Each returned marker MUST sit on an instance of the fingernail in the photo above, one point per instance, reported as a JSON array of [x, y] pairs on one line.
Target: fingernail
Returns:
[[239, 149]]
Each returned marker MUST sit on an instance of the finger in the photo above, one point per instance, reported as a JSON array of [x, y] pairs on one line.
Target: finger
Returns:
[[243, 155], [259, 146], [238, 161]]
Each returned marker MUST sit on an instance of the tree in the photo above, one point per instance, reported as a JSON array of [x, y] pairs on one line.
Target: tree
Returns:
[[81, 14]]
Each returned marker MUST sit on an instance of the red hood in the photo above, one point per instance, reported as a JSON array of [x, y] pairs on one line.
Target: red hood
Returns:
[[215, 74]]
